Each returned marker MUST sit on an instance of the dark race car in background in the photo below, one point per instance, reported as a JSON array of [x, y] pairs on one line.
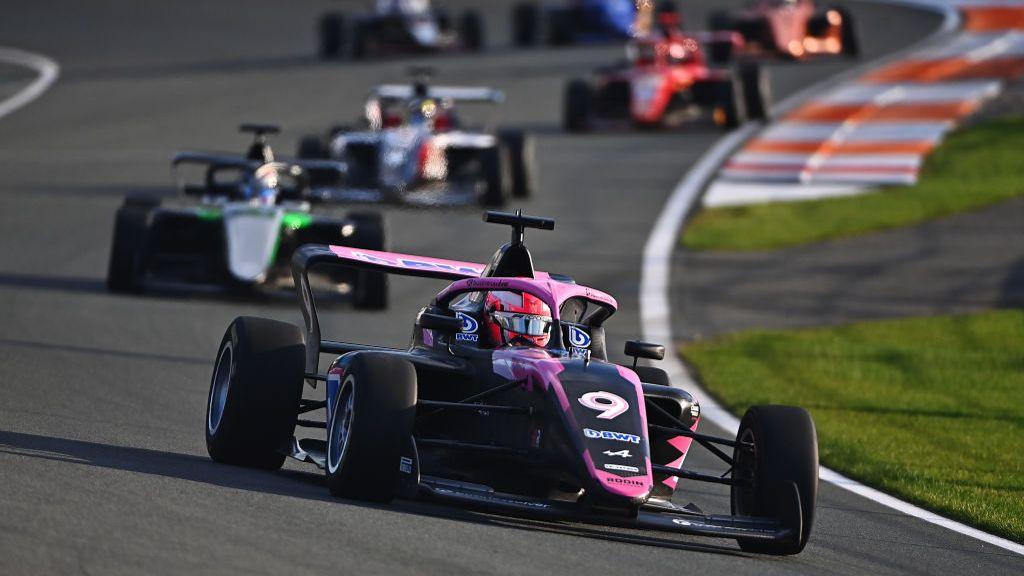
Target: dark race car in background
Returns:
[[795, 29], [580, 21], [417, 149], [668, 79], [399, 27], [552, 430], [237, 225]]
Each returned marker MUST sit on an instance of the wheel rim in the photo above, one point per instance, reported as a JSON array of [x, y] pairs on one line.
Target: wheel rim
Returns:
[[219, 389], [745, 470], [341, 426]]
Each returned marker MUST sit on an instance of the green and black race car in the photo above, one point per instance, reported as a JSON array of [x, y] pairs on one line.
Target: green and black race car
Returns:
[[238, 227]]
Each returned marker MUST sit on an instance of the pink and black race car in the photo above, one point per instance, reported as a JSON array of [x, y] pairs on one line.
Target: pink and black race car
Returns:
[[504, 400], [667, 80], [795, 29]]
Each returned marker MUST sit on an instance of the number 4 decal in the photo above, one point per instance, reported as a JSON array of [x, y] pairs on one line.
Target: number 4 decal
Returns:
[[609, 405], [622, 453]]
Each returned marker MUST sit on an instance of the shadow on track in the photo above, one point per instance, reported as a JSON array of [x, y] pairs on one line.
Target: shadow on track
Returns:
[[93, 351], [296, 484]]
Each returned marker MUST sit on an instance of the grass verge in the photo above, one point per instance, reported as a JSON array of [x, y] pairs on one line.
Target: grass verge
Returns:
[[973, 168], [930, 410]]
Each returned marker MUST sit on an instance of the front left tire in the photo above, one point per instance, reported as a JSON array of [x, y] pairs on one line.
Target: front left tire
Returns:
[[777, 458], [371, 422]]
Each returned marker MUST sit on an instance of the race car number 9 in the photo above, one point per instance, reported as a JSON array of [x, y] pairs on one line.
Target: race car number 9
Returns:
[[609, 405]]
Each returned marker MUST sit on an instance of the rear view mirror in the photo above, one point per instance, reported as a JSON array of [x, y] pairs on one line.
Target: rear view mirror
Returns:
[[439, 322], [638, 349]]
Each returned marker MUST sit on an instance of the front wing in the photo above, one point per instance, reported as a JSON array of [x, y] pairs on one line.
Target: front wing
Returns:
[[680, 521]]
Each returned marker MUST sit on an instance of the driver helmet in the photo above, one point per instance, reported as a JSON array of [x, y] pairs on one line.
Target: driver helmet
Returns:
[[423, 111], [517, 319], [262, 186]]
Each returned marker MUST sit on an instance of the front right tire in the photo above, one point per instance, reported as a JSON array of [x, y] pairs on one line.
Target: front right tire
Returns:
[[254, 393]]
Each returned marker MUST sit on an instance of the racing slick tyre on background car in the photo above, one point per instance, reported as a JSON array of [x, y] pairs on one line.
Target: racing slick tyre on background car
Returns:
[[331, 36], [848, 33], [522, 162], [127, 250], [757, 93], [254, 393], [370, 289], [525, 24], [471, 31], [494, 164], [578, 106], [311, 147], [730, 103], [777, 457], [371, 422], [561, 27]]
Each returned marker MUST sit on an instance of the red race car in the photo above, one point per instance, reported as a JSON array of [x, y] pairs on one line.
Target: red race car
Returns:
[[794, 29], [667, 80]]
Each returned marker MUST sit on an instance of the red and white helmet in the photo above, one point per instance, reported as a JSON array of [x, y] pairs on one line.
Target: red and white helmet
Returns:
[[517, 318]]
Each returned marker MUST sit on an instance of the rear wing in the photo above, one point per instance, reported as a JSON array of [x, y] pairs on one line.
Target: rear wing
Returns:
[[457, 93], [311, 255]]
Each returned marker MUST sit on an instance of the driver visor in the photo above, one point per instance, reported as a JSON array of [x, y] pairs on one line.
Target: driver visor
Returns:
[[526, 324]]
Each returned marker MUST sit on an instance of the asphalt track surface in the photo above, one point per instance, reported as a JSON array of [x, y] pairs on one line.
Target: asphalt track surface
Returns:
[[102, 462], [964, 263]]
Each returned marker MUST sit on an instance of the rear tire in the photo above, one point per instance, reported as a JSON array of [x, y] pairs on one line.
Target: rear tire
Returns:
[[578, 106], [848, 34], [781, 464], [371, 421], [471, 29], [756, 90], [311, 148], [127, 250], [359, 36], [560, 28], [731, 102], [720, 20], [522, 162], [331, 36], [495, 166], [525, 24], [369, 289], [254, 393]]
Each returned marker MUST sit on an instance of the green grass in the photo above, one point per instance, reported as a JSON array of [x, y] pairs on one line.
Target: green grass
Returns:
[[974, 167], [930, 410]]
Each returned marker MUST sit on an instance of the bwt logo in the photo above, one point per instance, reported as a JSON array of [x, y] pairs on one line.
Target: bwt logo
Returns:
[[469, 324], [578, 338], [607, 435]]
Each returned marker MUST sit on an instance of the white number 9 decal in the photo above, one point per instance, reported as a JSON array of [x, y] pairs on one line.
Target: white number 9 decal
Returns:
[[609, 405]]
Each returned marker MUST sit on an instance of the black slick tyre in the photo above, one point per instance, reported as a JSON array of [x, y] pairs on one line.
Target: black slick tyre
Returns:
[[471, 30], [369, 289], [254, 393], [525, 24], [522, 162], [577, 106], [848, 33], [756, 90], [311, 147], [777, 457], [371, 422], [127, 250], [730, 104], [494, 166], [331, 36]]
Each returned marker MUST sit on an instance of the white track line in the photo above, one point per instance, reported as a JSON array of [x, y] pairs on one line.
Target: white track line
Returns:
[[656, 310], [47, 69]]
